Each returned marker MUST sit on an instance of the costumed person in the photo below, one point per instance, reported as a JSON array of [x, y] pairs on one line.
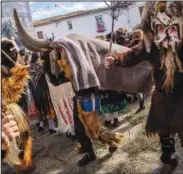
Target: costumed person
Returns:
[[111, 104], [161, 44], [61, 94], [41, 95], [58, 78], [88, 105], [13, 76], [58, 82]]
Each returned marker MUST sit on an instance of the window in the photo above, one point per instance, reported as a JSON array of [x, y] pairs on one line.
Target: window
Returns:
[[100, 23], [141, 10], [69, 23], [40, 35], [99, 18]]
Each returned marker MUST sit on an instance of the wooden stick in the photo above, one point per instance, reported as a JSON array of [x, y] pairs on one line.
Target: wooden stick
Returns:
[[7, 56]]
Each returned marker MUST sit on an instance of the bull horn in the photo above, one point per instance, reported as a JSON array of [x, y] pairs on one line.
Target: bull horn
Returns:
[[30, 47], [26, 37]]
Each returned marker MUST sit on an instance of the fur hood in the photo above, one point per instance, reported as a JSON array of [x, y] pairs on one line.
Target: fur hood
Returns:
[[172, 9]]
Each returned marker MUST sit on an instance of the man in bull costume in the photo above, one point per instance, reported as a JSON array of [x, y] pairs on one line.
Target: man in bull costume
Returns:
[[81, 59], [85, 85], [161, 44]]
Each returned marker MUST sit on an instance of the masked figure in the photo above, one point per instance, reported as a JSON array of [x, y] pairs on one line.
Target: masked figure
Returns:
[[160, 43]]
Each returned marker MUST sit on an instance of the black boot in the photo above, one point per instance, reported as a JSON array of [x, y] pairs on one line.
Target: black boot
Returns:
[[107, 123], [112, 149], [52, 131], [40, 129], [168, 157], [88, 157], [116, 122]]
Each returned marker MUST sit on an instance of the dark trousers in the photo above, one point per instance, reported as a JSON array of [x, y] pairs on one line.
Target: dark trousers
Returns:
[[81, 136]]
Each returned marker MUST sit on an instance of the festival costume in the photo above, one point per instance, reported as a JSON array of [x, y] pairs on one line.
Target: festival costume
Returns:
[[61, 97], [166, 58], [40, 91], [19, 154]]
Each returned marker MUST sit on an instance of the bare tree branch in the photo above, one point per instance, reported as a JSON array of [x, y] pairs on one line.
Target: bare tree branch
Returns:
[[107, 4], [109, 14], [116, 10]]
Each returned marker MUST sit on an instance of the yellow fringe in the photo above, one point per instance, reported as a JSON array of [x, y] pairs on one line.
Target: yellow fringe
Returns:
[[12, 88], [17, 144]]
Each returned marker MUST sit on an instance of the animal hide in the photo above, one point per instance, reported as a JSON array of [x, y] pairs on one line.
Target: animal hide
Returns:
[[13, 87], [85, 57]]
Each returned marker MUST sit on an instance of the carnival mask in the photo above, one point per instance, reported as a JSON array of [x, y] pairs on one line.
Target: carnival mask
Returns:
[[162, 23], [167, 31]]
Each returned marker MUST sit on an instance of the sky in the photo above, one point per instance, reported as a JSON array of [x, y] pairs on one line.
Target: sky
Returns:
[[41, 10]]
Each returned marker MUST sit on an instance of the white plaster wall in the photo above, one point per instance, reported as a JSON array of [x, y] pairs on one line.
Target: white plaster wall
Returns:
[[86, 25], [134, 14]]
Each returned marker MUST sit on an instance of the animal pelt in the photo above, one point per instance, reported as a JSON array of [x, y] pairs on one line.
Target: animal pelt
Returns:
[[165, 114], [19, 154], [96, 131], [13, 86]]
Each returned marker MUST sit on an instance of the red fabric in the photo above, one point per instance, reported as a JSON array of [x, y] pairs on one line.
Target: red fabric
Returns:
[[32, 111]]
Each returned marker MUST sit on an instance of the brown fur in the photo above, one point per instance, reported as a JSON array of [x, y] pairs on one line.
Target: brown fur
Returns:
[[96, 131], [26, 162], [12, 88]]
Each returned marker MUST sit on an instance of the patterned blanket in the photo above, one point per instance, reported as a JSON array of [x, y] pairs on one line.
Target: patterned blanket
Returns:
[[86, 56], [61, 97]]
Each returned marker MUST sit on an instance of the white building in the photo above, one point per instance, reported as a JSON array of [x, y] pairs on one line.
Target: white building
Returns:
[[88, 23]]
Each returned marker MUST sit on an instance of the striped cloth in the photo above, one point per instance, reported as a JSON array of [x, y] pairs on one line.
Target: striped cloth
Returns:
[[85, 57]]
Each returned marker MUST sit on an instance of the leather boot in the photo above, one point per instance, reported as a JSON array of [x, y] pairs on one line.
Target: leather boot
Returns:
[[88, 158], [116, 122], [168, 157]]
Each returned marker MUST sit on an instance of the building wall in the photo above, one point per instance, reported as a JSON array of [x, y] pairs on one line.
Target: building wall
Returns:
[[86, 25], [8, 27]]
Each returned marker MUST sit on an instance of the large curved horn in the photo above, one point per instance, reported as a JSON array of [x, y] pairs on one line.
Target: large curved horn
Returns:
[[30, 47], [26, 37]]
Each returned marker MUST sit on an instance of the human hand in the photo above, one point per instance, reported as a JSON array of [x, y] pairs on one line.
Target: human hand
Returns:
[[9, 127], [109, 61]]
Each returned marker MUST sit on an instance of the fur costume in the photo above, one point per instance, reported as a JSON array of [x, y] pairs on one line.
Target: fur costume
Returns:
[[161, 44], [19, 155], [90, 120]]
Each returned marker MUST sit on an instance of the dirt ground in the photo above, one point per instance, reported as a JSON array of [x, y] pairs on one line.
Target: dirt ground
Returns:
[[56, 154]]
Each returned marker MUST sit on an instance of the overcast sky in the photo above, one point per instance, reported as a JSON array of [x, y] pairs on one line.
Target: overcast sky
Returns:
[[41, 10]]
